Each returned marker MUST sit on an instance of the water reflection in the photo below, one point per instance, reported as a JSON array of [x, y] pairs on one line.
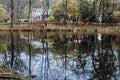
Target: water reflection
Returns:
[[62, 56]]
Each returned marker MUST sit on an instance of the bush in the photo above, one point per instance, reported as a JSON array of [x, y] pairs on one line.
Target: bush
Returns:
[[50, 19]]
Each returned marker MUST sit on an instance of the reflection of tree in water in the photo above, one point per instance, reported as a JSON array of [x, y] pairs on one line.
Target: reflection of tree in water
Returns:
[[11, 56], [89, 48], [4, 41], [104, 64], [44, 66], [50, 67], [103, 60], [67, 47], [72, 56]]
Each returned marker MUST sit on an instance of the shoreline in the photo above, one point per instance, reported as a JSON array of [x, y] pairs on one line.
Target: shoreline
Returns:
[[52, 27]]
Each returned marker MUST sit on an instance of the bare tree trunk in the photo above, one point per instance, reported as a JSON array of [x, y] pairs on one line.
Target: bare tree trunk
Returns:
[[43, 11], [65, 18], [12, 13], [47, 5], [29, 14], [102, 9], [18, 4], [95, 11], [47, 13]]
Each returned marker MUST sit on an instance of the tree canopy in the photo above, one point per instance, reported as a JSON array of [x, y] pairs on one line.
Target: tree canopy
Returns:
[[59, 10]]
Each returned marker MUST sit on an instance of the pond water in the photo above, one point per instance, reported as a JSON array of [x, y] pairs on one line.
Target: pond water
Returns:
[[62, 55]]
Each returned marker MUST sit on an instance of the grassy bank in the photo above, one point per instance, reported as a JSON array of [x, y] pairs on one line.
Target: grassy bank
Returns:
[[54, 27]]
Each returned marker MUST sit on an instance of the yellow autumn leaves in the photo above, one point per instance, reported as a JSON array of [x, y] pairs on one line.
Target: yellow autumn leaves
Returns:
[[3, 13]]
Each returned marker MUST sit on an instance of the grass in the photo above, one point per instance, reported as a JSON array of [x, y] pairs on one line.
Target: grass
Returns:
[[83, 27]]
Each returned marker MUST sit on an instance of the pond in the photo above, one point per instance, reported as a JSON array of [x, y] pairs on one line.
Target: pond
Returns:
[[62, 55]]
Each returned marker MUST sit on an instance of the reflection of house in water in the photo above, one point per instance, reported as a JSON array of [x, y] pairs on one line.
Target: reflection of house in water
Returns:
[[99, 36], [79, 38], [37, 44], [82, 60], [26, 36]]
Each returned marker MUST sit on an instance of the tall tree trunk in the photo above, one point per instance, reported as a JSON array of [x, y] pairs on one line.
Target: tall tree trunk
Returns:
[[18, 8], [12, 13], [102, 9], [43, 11], [47, 6], [65, 22], [29, 14]]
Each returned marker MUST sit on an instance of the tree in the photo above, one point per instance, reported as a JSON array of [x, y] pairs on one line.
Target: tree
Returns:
[[30, 4], [47, 5], [107, 7], [91, 10], [72, 9], [87, 12], [12, 13], [19, 8], [19, 12], [4, 15], [60, 10]]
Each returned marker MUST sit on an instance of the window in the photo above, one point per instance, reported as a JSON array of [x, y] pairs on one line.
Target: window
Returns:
[[37, 17]]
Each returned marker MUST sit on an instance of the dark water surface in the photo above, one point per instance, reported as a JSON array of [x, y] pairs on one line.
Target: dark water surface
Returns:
[[62, 55]]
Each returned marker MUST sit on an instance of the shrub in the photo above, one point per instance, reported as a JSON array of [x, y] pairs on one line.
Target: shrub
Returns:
[[50, 19]]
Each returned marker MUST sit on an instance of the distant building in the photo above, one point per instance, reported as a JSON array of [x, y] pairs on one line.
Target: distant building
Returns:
[[38, 14]]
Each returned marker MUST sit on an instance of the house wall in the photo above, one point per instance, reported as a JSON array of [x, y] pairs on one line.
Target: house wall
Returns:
[[37, 14]]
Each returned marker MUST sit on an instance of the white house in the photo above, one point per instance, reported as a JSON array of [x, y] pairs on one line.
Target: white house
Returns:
[[37, 13]]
